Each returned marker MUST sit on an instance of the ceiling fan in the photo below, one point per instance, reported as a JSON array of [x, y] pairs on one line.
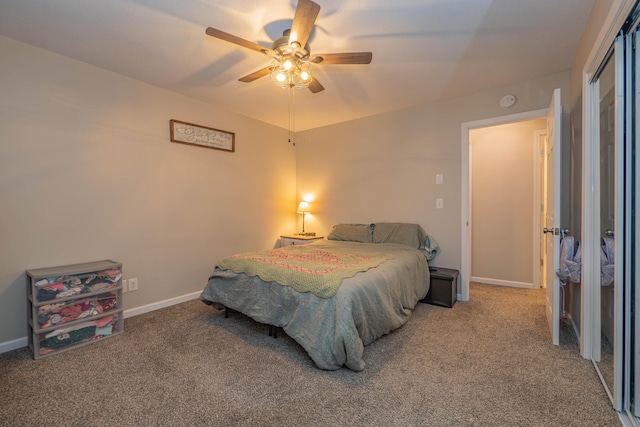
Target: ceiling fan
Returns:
[[291, 55]]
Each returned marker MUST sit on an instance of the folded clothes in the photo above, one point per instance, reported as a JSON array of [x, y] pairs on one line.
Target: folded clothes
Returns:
[[72, 280], [84, 331], [51, 308], [101, 285], [108, 303], [56, 314], [69, 329], [64, 339], [57, 286], [103, 321], [70, 292], [105, 330], [93, 311], [74, 310], [46, 295], [113, 273], [41, 283]]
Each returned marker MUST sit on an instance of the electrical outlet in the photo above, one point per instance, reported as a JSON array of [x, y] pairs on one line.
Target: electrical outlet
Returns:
[[125, 285], [133, 284], [439, 204], [439, 178]]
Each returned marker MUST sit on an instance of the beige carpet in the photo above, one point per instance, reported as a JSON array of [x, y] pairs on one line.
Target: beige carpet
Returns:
[[486, 362]]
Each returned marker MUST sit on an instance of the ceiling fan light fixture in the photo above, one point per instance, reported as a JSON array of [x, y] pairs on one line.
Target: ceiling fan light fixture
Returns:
[[291, 72], [291, 55]]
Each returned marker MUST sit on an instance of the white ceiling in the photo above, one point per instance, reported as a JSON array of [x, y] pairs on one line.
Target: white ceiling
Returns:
[[423, 50]]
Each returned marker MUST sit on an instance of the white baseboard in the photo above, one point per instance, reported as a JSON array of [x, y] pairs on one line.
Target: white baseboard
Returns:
[[13, 344], [24, 341], [160, 304], [503, 283], [575, 328]]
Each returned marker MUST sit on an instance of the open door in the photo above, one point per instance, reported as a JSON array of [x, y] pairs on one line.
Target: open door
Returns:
[[552, 220]]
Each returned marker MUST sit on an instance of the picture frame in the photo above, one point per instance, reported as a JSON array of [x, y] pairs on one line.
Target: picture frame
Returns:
[[202, 136]]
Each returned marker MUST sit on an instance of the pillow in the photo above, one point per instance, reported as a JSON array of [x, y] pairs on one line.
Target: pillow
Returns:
[[406, 234], [397, 232], [351, 232]]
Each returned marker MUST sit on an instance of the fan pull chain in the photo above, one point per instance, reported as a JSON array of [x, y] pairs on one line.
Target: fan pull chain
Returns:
[[291, 116]]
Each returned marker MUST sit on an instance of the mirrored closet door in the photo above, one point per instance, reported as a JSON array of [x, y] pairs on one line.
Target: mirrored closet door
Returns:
[[612, 251], [632, 273], [604, 298]]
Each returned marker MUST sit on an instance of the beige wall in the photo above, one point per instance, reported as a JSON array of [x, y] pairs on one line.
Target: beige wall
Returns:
[[599, 12], [87, 172], [503, 205], [383, 168]]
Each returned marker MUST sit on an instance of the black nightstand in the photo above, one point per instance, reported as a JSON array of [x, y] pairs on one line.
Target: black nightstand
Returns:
[[444, 287]]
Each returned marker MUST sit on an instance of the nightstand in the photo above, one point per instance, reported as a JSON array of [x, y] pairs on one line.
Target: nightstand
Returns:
[[444, 287], [297, 239]]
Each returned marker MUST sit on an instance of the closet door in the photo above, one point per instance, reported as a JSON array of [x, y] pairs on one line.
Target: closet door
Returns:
[[607, 213], [608, 235], [633, 340], [611, 239]]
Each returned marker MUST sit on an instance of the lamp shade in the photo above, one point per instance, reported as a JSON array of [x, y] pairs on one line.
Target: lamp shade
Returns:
[[304, 207]]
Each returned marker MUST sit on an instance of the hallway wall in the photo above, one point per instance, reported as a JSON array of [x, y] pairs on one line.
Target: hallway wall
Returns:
[[503, 211]]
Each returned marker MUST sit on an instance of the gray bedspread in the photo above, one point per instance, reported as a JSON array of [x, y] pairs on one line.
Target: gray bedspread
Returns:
[[333, 330]]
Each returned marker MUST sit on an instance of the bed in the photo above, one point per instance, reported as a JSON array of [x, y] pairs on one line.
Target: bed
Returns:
[[381, 271]]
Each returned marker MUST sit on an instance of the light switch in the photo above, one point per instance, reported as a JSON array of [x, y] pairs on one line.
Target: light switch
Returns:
[[439, 203], [439, 178]]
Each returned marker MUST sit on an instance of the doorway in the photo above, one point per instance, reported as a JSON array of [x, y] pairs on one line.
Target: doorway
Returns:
[[467, 186], [506, 204]]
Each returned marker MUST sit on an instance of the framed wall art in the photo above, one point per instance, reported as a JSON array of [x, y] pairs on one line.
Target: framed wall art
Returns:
[[202, 136]]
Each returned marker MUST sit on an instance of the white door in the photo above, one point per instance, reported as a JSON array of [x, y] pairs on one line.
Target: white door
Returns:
[[635, 327], [552, 226], [542, 210]]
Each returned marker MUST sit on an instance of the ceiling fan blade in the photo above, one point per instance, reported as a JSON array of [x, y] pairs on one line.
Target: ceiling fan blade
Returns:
[[213, 32], [315, 85], [255, 75], [303, 20], [343, 58]]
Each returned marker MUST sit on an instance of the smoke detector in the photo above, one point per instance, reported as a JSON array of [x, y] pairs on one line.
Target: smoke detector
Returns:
[[508, 101]]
